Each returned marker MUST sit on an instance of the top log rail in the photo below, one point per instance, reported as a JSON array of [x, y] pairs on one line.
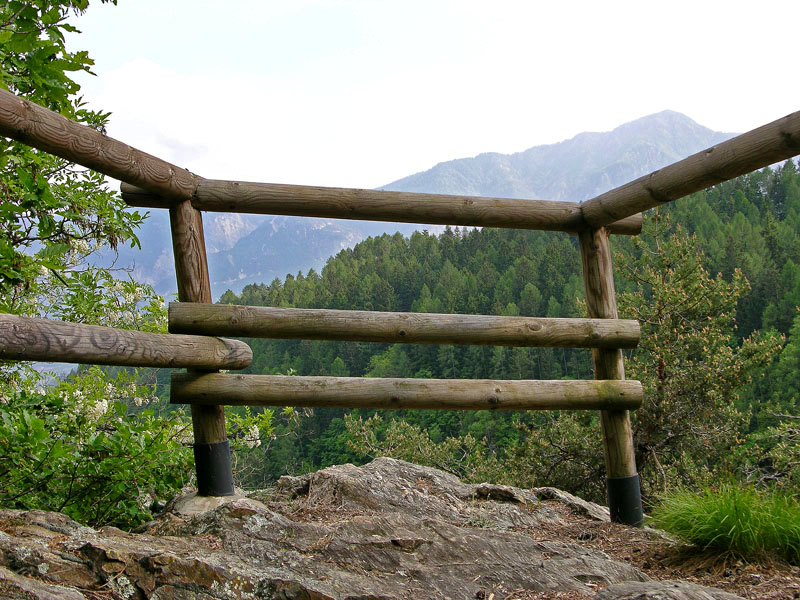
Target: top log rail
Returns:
[[31, 124], [753, 150], [381, 205]]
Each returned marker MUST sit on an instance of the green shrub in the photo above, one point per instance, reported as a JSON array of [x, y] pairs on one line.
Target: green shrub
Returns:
[[736, 519], [75, 448]]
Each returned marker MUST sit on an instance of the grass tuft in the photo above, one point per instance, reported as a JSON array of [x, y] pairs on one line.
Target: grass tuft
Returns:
[[735, 519]]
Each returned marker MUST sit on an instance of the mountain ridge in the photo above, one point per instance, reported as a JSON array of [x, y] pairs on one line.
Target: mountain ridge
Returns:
[[538, 172]]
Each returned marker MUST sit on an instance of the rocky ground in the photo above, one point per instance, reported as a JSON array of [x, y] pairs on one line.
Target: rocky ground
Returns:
[[388, 530]]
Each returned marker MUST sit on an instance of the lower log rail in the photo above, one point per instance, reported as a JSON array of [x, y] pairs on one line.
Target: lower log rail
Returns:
[[27, 338], [435, 394], [398, 327]]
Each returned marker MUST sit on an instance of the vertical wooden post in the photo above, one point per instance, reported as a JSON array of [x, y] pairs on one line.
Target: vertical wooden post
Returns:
[[212, 453], [624, 494]]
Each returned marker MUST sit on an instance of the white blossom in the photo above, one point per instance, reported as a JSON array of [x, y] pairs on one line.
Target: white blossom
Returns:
[[80, 246], [253, 439], [97, 410], [144, 500]]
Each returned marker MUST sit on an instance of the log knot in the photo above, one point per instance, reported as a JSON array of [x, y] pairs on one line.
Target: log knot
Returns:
[[658, 196], [789, 140]]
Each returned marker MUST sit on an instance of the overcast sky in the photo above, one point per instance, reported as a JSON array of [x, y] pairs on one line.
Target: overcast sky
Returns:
[[358, 93]]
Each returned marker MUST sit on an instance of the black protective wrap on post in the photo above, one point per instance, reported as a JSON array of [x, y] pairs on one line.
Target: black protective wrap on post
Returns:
[[213, 467], [625, 500]]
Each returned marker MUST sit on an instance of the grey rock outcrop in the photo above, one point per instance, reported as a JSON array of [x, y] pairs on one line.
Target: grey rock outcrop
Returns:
[[387, 530], [663, 590]]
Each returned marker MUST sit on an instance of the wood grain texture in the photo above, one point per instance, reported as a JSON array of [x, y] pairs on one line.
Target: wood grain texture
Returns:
[[189, 249], [381, 205], [601, 302], [46, 130], [25, 338], [440, 394], [194, 285], [396, 327], [758, 148]]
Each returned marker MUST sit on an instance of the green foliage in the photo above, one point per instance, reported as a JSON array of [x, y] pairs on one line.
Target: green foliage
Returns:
[[53, 214], [688, 360], [772, 455], [783, 457], [563, 450], [734, 518], [464, 456], [85, 446], [73, 448], [249, 434]]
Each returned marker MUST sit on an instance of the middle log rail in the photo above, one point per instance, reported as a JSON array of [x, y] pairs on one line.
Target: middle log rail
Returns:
[[28, 338], [387, 393], [397, 327]]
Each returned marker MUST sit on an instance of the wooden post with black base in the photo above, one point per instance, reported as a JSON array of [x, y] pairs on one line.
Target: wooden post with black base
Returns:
[[624, 493], [212, 453]]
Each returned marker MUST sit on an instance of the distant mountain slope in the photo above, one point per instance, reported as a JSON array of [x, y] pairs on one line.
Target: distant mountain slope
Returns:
[[575, 169], [255, 248], [241, 249]]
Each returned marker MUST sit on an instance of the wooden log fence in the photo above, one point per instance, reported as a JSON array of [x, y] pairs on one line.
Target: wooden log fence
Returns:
[[388, 393], [152, 182], [396, 327], [27, 338]]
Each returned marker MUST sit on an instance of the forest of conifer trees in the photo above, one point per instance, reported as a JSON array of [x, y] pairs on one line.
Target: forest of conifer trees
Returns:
[[720, 269]]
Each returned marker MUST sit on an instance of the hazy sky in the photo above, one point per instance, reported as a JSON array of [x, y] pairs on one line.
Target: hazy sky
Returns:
[[359, 93]]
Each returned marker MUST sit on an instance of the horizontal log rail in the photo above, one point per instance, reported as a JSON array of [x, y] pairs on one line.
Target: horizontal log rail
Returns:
[[753, 150], [31, 124], [26, 338], [439, 394], [396, 327], [382, 205]]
